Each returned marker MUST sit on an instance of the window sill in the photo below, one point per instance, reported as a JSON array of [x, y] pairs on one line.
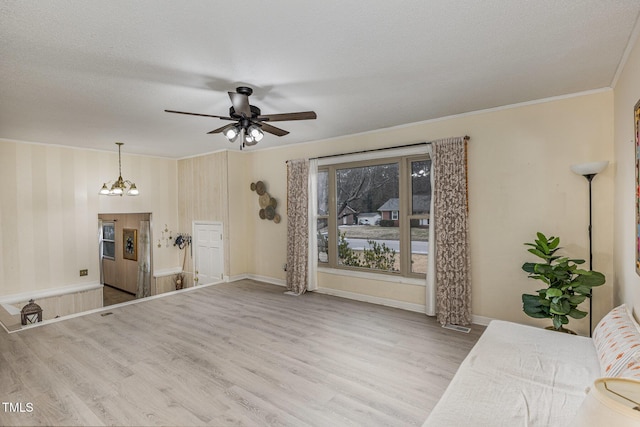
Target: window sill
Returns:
[[373, 276]]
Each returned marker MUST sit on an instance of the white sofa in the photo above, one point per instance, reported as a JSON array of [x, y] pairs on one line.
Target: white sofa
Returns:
[[519, 375]]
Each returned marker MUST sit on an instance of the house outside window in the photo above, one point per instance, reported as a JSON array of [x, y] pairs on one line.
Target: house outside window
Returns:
[[373, 215]]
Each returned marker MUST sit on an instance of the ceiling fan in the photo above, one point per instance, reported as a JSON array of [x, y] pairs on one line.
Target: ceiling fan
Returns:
[[249, 120]]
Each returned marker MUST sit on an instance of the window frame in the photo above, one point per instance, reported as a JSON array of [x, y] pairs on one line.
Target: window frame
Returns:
[[409, 209], [404, 190], [319, 216]]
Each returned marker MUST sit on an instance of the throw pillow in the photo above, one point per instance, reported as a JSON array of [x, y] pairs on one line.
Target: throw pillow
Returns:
[[617, 340]]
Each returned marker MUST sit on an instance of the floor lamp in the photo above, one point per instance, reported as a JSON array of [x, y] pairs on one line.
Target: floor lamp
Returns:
[[589, 171]]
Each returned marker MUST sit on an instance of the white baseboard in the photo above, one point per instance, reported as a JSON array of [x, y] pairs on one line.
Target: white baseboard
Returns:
[[266, 279], [480, 320], [236, 277], [418, 308]]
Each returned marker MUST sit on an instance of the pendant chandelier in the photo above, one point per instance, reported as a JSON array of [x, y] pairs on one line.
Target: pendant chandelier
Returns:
[[120, 186]]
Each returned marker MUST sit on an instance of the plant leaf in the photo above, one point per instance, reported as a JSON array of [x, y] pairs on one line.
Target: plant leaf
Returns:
[[531, 305], [582, 289], [553, 292], [577, 314], [543, 245], [538, 253], [577, 299], [594, 278], [562, 307]]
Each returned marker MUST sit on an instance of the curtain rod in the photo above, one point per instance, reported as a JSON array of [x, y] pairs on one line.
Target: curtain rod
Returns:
[[466, 138]]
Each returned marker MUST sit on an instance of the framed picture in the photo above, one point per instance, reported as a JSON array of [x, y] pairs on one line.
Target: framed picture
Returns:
[[130, 244], [636, 120]]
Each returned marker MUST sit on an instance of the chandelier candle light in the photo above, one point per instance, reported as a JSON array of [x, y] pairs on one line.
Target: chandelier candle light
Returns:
[[120, 186]]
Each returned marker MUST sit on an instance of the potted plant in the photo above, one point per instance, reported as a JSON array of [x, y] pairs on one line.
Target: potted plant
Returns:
[[567, 286]]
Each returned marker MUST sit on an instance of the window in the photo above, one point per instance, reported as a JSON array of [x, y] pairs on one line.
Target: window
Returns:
[[373, 215], [108, 240]]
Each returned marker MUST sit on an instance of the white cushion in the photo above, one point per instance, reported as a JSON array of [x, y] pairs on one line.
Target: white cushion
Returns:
[[518, 375]]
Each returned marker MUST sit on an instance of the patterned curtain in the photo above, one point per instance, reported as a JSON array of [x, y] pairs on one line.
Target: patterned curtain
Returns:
[[144, 260], [100, 249], [453, 275], [297, 225]]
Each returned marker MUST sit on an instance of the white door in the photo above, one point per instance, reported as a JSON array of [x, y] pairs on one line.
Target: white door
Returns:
[[208, 259]]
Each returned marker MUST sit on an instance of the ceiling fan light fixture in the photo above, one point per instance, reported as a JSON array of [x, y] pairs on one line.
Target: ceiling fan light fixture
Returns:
[[232, 133], [249, 140], [255, 132]]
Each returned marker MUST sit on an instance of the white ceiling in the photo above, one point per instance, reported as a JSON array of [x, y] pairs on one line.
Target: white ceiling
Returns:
[[89, 73]]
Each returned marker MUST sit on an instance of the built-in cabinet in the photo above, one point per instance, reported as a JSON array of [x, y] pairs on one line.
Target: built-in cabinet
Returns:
[[118, 271]]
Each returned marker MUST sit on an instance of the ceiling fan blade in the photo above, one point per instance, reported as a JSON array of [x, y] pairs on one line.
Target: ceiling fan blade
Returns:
[[198, 114], [240, 103], [273, 130], [221, 129], [303, 115]]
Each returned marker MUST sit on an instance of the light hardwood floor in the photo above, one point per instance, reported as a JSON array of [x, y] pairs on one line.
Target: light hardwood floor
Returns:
[[239, 353]]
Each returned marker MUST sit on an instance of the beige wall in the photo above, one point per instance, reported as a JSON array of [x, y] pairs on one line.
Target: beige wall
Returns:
[[214, 187], [203, 196], [241, 209], [49, 211], [519, 181], [627, 93]]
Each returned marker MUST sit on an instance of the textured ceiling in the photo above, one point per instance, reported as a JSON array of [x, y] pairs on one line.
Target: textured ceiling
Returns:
[[89, 73]]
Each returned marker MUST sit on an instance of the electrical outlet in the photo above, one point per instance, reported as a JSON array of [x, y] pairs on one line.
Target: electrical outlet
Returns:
[[84, 272], [284, 267]]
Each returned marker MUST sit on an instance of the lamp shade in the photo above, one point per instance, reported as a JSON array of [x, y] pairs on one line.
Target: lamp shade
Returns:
[[231, 132], [591, 168], [610, 402]]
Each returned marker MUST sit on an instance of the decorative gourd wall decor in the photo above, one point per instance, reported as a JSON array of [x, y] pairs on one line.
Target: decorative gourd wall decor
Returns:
[[267, 203]]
